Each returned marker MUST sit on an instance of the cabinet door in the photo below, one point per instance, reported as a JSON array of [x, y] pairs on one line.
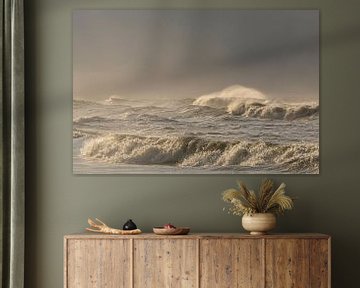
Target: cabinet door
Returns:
[[165, 263], [231, 263], [98, 263], [287, 263], [320, 263]]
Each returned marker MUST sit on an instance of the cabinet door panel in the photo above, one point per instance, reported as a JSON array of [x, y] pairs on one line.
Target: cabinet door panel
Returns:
[[165, 263], [231, 263], [287, 263], [98, 264], [319, 263]]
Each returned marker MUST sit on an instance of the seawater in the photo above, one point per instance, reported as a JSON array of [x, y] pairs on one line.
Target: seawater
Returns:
[[237, 130]]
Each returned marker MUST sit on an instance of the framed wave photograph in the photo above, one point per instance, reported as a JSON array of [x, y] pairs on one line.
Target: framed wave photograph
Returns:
[[196, 92]]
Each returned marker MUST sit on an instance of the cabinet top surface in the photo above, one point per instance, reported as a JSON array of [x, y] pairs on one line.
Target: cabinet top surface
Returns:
[[87, 235]]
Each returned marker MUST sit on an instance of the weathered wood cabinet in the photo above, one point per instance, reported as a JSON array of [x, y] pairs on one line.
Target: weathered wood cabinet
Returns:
[[197, 260]]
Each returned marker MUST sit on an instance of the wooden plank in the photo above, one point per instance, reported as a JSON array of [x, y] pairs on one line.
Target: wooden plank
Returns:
[[263, 252], [199, 236], [65, 263], [132, 262], [319, 263], [165, 263], [287, 263], [198, 257], [98, 263], [329, 262], [231, 263]]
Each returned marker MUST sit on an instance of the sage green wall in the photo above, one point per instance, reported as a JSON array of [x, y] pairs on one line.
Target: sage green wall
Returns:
[[59, 203]]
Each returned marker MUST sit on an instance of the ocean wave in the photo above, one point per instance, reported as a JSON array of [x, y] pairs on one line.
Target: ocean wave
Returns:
[[200, 152], [194, 111], [81, 103], [78, 134], [91, 119], [150, 118], [115, 99], [85, 133], [248, 102]]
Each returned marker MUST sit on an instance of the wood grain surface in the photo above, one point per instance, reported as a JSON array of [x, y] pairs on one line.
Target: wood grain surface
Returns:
[[319, 263], [165, 263], [197, 260], [287, 263], [231, 263], [89, 235], [98, 263]]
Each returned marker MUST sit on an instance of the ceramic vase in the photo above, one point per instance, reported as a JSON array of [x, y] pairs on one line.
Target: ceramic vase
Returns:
[[259, 223]]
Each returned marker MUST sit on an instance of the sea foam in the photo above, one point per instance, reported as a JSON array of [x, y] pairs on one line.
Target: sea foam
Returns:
[[248, 102], [202, 152]]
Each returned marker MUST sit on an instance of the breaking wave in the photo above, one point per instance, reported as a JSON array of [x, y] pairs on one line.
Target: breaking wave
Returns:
[[91, 119], [202, 152], [78, 134], [114, 99], [248, 102]]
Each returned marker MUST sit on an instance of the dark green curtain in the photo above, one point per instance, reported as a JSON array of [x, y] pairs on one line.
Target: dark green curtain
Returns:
[[12, 196]]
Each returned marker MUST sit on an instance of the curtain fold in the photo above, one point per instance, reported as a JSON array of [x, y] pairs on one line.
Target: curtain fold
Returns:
[[12, 184]]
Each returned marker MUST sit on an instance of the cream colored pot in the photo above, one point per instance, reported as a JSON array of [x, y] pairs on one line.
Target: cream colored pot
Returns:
[[259, 223]]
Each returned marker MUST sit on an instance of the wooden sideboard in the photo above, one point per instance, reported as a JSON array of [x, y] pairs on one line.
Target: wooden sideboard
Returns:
[[197, 260]]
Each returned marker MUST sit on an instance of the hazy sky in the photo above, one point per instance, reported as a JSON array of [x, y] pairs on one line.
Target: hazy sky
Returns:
[[188, 53]]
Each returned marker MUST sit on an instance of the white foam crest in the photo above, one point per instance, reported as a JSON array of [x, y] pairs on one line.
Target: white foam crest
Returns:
[[119, 100], [229, 96], [115, 98], [199, 152], [90, 119], [248, 102], [133, 149], [78, 134]]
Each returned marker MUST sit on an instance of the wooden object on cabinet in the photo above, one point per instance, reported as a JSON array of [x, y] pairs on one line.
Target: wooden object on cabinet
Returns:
[[197, 260]]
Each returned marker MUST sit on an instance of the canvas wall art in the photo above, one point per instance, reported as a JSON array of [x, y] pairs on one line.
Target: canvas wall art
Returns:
[[195, 92]]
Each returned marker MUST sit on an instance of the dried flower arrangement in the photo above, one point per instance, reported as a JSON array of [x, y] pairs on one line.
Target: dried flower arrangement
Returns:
[[267, 200]]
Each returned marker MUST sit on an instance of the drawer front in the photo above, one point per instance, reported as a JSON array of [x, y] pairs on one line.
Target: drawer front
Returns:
[[231, 263], [98, 263], [165, 263]]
